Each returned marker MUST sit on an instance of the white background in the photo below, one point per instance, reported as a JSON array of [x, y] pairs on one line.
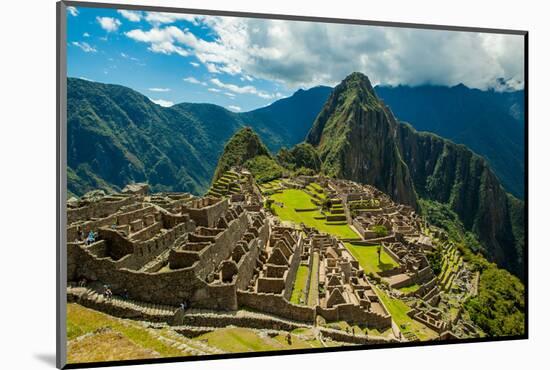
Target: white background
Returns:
[[27, 206]]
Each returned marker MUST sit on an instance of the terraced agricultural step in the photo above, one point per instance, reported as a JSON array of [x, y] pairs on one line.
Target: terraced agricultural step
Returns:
[[120, 307], [241, 318]]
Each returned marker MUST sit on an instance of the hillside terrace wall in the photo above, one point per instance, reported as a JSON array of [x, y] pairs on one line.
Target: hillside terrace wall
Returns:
[[276, 305], [354, 315]]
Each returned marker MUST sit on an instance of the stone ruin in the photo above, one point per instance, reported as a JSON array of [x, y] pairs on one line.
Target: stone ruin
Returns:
[[223, 252]]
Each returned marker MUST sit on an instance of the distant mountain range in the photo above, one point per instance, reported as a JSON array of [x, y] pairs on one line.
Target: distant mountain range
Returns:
[[117, 135], [491, 123]]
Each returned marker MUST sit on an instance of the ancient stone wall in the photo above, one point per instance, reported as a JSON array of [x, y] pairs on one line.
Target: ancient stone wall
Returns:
[[294, 263], [96, 210], [276, 305], [208, 215], [355, 315]]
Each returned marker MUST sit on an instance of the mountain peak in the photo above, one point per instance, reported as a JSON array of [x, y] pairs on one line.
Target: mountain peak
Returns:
[[358, 80], [244, 145], [357, 88], [354, 134]]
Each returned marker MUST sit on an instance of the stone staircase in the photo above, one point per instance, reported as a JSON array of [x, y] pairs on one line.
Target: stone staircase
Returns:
[[156, 262], [120, 307]]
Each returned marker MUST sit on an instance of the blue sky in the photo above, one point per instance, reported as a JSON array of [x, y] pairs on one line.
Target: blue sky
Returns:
[[243, 64]]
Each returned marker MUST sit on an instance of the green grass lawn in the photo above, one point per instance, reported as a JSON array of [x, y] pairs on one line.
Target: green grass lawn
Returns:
[[295, 198], [298, 292], [247, 340], [135, 339], [368, 258], [409, 288], [398, 310]]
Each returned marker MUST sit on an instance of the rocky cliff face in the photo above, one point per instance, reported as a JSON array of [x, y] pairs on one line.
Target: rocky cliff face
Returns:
[[452, 174], [355, 136]]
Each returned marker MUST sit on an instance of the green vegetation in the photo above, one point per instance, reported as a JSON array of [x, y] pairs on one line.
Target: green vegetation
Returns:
[[293, 199], [499, 307], [398, 310], [243, 146], [435, 258], [248, 340], [368, 258], [441, 215], [108, 333], [264, 168], [409, 289], [380, 230], [299, 290], [301, 158]]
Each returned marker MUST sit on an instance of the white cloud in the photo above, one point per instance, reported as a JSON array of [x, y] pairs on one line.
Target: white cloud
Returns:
[[305, 54], [157, 18], [161, 40], [72, 11], [192, 80], [162, 103], [86, 79], [86, 34], [87, 48], [247, 89], [109, 24], [231, 95], [194, 64], [132, 16], [159, 89], [213, 89], [234, 108]]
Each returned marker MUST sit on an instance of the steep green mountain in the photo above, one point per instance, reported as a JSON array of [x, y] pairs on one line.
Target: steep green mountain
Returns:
[[355, 137], [246, 149], [491, 123], [359, 139], [287, 121], [117, 136], [452, 174]]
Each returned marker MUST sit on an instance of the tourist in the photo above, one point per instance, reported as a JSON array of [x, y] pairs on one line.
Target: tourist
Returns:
[[82, 282], [125, 294], [182, 306], [91, 238], [289, 339]]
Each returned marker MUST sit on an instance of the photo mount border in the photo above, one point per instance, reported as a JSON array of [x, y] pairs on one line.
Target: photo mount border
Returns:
[[61, 175]]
